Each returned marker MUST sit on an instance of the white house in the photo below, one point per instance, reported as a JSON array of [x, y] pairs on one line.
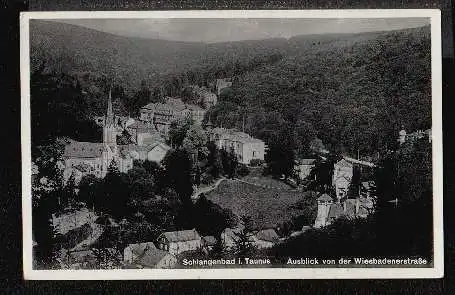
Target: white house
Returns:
[[245, 147], [176, 242], [146, 255], [303, 167], [324, 203], [266, 238]]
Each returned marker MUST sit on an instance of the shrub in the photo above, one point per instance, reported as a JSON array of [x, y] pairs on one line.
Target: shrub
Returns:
[[207, 178], [256, 162], [243, 170]]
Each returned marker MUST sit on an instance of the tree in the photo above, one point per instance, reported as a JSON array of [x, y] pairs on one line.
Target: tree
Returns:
[[178, 174], [195, 142], [68, 193], [114, 196], [280, 157], [354, 187], [230, 162], [244, 246], [214, 163], [205, 210], [178, 130], [316, 145], [89, 189], [140, 183], [43, 235]]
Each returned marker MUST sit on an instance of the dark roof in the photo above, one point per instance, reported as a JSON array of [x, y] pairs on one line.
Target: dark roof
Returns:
[[336, 210], [268, 235], [209, 240], [182, 236], [147, 254], [324, 198], [142, 127], [80, 149], [306, 161]]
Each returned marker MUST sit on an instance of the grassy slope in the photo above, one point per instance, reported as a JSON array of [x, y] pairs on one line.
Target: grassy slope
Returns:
[[267, 207]]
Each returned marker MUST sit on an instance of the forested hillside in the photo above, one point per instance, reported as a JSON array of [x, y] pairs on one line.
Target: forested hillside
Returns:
[[354, 92], [91, 54], [353, 95]]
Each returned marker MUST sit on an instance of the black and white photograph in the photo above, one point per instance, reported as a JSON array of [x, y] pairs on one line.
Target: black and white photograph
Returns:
[[231, 144]]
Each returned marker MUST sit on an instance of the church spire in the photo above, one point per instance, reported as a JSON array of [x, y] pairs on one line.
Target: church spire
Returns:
[[110, 112], [109, 132]]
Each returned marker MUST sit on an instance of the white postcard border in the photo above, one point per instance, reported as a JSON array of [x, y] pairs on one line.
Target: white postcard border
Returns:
[[237, 273]]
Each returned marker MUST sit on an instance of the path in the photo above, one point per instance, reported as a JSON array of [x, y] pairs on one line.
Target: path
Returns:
[[206, 189], [97, 230]]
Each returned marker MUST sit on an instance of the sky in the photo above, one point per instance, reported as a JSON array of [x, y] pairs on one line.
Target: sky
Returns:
[[228, 30]]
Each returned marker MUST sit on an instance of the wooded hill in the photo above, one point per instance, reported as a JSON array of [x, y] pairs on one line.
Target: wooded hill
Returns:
[[353, 91]]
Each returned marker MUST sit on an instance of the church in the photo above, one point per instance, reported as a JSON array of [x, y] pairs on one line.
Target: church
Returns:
[[83, 158]]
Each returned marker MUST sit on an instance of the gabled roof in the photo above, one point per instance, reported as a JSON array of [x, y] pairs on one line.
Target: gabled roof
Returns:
[[268, 235], [357, 162], [142, 127], [324, 198], [344, 163], [182, 235], [80, 149], [140, 248], [147, 254], [306, 161], [209, 240]]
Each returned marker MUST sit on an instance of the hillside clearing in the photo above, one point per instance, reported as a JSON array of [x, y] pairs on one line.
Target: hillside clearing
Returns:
[[267, 207]]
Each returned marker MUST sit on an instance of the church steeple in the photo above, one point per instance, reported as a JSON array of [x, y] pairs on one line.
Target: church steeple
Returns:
[[110, 112], [109, 133]]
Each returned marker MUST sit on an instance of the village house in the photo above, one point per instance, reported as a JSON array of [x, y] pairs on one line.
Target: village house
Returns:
[[342, 176], [141, 132], [303, 167], [153, 152], [161, 115], [83, 158], [146, 255], [265, 238], [176, 242], [404, 137], [245, 147], [222, 84], [329, 211], [343, 171]]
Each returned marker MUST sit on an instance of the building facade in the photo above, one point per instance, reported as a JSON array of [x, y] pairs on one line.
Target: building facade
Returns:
[[83, 158], [329, 211], [146, 255], [177, 242], [303, 167], [161, 115], [245, 147]]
